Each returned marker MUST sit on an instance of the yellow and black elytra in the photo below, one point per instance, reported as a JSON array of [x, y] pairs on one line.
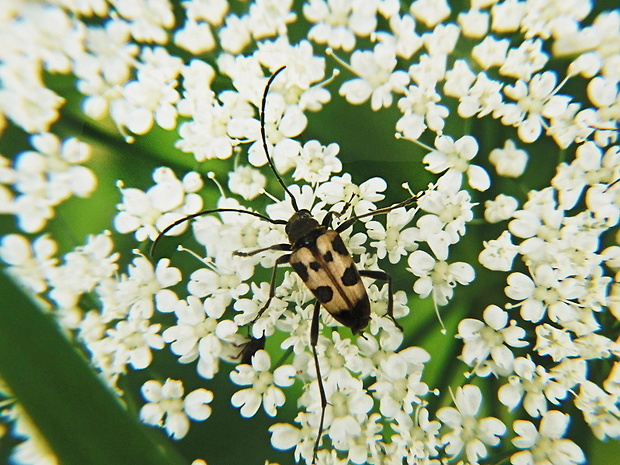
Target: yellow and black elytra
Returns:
[[323, 262]]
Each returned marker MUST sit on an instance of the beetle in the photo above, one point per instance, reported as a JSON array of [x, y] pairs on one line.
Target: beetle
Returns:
[[320, 258]]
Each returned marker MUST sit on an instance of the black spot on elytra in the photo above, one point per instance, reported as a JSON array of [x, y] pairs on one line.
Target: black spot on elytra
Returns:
[[350, 277], [339, 246], [316, 266], [301, 270], [324, 294], [357, 316], [328, 257]]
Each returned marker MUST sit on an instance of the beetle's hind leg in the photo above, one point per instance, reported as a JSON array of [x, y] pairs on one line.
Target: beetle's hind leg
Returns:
[[383, 276], [249, 348], [314, 339]]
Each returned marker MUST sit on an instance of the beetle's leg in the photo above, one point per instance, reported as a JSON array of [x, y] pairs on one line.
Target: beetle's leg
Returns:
[[249, 348], [283, 247], [272, 286], [314, 339], [383, 276], [351, 221], [330, 214]]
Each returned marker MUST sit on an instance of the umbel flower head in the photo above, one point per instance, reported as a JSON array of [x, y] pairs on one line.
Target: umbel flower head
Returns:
[[494, 298]]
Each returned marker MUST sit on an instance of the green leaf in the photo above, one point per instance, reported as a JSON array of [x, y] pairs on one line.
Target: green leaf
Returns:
[[81, 419]]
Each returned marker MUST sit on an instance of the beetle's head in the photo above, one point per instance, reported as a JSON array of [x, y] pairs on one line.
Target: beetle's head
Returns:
[[300, 225]]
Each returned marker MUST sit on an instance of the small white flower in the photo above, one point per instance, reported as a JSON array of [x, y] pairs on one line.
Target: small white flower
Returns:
[[546, 291], [459, 79], [391, 240], [246, 181], [362, 198], [220, 285], [430, 229], [554, 342], [536, 99], [451, 206], [46, 177], [337, 23], [590, 167], [534, 385], [195, 36], [525, 60], [468, 432], [377, 79], [430, 12], [346, 412], [600, 410], [265, 386], [285, 436], [453, 158], [152, 96], [167, 408], [29, 263], [507, 16], [148, 213], [420, 108], [199, 334], [417, 439], [491, 337], [403, 36], [83, 269], [148, 20], [509, 161], [482, 98], [491, 51], [499, 209], [25, 99], [283, 122], [543, 21], [250, 307], [399, 385], [316, 162], [130, 342], [545, 445], [206, 134], [474, 23], [144, 287], [498, 254], [270, 17], [438, 277]]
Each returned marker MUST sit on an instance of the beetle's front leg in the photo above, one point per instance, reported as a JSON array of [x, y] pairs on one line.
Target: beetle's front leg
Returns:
[[383, 276], [272, 286], [282, 247], [330, 214]]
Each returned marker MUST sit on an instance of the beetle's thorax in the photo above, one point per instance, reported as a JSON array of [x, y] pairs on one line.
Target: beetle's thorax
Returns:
[[302, 228]]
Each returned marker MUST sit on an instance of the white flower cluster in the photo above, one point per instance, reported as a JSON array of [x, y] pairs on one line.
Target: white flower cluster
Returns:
[[543, 322], [42, 179]]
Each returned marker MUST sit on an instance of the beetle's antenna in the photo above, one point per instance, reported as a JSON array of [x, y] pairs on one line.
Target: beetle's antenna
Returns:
[[206, 212], [263, 136]]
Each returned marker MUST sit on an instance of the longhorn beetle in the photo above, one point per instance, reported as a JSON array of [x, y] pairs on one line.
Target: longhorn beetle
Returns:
[[322, 261]]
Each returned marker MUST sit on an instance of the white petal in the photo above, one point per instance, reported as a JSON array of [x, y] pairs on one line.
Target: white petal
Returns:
[[478, 178], [284, 436], [177, 425], [420, 263], [151, 414], [495, 317], [195, 404]]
